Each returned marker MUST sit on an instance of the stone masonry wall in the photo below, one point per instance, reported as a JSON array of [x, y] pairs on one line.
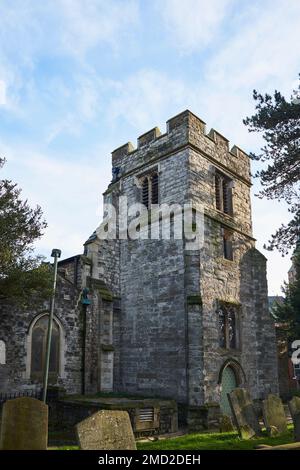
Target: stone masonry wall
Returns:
[[14, 331], [152, 318]]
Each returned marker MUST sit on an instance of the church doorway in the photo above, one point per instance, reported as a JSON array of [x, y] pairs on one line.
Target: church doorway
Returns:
[[228, 383]]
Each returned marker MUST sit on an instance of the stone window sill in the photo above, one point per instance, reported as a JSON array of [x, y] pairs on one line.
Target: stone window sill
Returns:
[[229, 352]]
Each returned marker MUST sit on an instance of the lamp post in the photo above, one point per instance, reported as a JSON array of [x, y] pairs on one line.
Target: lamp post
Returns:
[[55, 254]]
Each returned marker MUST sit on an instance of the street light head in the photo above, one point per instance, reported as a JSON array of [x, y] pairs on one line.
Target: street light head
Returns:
[[56, 253]]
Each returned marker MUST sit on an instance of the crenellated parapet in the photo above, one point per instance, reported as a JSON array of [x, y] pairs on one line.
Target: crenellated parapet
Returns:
[[183, 130]]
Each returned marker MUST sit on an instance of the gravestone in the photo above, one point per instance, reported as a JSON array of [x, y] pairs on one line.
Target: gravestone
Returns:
[[106, 430], [294, 407], [226, 424], [24, 425], [274, 415], [244, 414]]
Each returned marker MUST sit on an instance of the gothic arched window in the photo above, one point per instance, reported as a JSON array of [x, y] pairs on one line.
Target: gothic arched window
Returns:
[[150, 189], [223, 193], [38, 349], [227, 319]]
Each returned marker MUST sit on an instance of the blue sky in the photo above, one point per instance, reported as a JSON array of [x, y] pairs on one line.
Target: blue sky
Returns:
[[78, 78]]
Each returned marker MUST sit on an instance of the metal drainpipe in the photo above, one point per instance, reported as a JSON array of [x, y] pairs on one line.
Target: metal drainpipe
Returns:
[[84, 307]]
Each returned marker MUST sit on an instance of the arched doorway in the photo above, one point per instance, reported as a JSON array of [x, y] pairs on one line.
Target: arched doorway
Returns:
[[228, 383]]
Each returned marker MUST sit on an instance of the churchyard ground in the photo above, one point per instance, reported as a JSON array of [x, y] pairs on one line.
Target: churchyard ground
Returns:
[[204, 441]]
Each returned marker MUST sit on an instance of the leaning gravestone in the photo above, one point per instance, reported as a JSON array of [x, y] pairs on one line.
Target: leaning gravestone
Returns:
[[244, 414], [106, 430], [294, 407], [24, 425], [274, 415]]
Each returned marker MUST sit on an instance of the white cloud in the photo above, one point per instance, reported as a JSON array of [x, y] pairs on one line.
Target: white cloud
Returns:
[[262, 49], [146, 98], [68, 191], [2, 93], [85, 24], [193, 24]]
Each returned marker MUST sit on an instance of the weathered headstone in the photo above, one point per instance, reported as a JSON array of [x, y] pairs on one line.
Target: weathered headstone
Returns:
[[274, 415], [244, 414], [294, 407], [24, 425], [106, 430], [226, 424]]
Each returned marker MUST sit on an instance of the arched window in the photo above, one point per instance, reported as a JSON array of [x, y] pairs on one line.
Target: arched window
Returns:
[[38, 349], [149, 185], [2, 352]]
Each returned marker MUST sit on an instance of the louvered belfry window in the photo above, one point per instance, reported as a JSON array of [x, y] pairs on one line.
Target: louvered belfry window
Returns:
[[145, 192], [154, 188], [150, 189], [223, 193]]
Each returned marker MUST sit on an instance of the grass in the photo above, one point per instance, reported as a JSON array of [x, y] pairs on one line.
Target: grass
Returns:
[[205, 441], [215, 441]]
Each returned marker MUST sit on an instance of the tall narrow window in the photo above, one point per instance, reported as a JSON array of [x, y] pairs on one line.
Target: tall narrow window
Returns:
[[145, 192], [231, 329], [227, 320], [223, 193], [150, 189], [38, 349], [227, 244], [222, 329], [2, 352], [154, 188], [218, 183]]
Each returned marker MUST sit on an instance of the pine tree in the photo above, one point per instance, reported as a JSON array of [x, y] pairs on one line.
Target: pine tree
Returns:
[[288, 311], [279, 121]]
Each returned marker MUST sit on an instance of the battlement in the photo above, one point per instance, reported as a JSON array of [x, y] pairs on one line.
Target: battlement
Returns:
[[183, 129]]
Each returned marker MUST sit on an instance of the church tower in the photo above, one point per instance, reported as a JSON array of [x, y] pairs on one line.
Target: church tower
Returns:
[[186, 323]]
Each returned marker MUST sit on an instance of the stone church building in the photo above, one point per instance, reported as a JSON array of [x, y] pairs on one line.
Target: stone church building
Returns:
[[153, 317]]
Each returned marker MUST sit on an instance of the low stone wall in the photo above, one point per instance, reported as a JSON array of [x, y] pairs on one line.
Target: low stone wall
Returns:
[[148, 417]]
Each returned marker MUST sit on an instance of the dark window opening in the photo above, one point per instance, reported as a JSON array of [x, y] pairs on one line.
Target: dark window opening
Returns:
[[145, 193], [154, 189], [227, 244]]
